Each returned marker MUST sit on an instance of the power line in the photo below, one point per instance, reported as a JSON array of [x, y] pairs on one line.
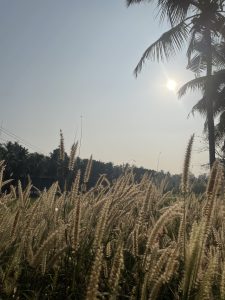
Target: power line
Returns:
[[20, 139]]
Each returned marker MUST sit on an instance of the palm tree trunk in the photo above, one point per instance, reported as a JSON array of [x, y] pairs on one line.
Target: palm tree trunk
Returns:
[[209, 102]]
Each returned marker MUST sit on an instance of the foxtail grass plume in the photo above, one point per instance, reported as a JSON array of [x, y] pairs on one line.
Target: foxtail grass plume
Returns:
[[116, 269], [61, 147], [185, 175], [92, 289], [88, 170], [75, 185], [72, 156], [213, 179]]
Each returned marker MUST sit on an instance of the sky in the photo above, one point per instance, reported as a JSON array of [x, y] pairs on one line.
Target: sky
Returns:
[[69, 65]]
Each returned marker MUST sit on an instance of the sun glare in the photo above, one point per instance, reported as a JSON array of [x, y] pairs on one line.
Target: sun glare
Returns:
[[171, 85]]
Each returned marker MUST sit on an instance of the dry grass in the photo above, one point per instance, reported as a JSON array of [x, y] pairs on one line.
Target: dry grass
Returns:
[[121, 240]]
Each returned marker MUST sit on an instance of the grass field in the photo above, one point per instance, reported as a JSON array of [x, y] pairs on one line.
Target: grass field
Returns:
[[121, 240]]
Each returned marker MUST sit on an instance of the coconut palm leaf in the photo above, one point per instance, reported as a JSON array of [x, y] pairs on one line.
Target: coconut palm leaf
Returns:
[[220, 127], [193, 85], [218, 80], [174, 10], [218, 98], [197, 64], [194, 39], [199, 107], [129, 2], [166, 46], [221, 100], [218, 57], [219, 23], [218, 95]]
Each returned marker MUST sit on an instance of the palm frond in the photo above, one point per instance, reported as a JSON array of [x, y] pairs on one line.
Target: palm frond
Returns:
[[167, 45], [193, 85], [199, 107], [191, 45], [220, 127], [220, 100], [197, 64], [129, 2], [218, 57], [197, 55], [219, 23], [175, 10], [218, 80]]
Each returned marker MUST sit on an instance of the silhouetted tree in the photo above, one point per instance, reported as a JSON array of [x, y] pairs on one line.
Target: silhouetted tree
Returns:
[[188, 19], [15, 157], [44, 170]]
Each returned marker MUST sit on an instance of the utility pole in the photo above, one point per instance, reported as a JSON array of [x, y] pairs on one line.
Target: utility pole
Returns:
[[157, 168]]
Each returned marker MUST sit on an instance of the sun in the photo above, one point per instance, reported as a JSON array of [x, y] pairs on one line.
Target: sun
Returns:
[[171, 85]]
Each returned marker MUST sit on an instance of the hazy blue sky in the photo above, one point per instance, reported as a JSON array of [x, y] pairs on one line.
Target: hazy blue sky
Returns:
[[63, 59]]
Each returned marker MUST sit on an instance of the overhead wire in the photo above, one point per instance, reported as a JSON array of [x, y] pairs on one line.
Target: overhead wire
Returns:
[[5, 131]]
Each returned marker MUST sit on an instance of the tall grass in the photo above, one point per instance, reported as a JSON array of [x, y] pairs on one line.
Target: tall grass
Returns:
[[120, 240]]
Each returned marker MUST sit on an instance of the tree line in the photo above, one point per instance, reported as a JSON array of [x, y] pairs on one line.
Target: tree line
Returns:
[[43, 170]]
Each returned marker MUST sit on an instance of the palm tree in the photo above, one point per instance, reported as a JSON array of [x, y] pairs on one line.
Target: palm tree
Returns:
[[218, 99], [189, 19]]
